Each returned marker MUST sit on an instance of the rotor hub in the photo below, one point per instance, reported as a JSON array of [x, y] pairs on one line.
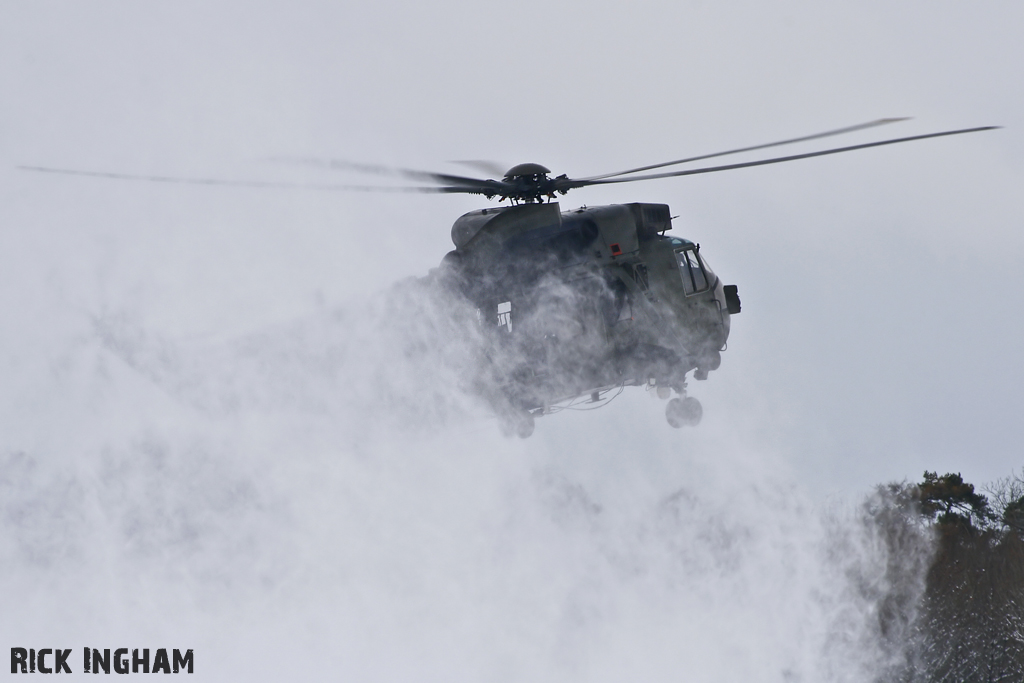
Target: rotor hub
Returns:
[[528, 170], [529, 183]]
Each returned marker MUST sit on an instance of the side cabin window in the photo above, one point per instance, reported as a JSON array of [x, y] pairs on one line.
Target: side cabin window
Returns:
[[691, 269]]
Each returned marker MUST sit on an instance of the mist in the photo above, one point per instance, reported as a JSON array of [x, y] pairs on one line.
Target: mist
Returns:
[[321, 498]]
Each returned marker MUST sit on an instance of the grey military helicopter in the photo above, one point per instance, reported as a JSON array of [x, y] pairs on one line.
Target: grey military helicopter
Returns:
[[584, 302], [576, 305]]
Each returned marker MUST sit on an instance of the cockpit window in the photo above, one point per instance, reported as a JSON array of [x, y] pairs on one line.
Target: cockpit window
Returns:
[[692, 271]]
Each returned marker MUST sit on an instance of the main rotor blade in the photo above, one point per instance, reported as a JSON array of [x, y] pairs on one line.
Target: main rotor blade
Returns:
[[495, 169], [571, 184], [816, 136], [252, 183], [411, 173]]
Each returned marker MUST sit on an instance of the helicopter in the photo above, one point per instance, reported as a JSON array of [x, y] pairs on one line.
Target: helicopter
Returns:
[[580, 303], [575, 305]]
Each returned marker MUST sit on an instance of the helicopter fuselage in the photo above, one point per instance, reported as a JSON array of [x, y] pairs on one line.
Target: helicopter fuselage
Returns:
[[574, 303]]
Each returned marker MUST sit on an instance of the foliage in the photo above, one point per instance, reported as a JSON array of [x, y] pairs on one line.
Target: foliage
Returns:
[[950, 500], [968, 624], [1013, 516], [1007, 495]]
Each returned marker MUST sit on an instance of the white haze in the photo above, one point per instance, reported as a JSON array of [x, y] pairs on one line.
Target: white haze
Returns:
[[280, 503], [226, 422]]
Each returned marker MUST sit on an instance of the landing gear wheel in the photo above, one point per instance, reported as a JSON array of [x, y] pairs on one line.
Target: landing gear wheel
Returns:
[[684, 412], [519, 424]]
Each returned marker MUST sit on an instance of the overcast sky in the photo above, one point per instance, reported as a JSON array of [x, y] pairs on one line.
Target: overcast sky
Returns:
[[882, 293]]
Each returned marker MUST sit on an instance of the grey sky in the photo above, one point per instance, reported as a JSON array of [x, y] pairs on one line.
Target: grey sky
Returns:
[[881, 333]]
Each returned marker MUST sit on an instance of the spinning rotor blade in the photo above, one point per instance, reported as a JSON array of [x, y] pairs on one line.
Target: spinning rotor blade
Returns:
[[805, 138], [493, 168], [250, 183], [493, 186], [569, 184], [524, 183]]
